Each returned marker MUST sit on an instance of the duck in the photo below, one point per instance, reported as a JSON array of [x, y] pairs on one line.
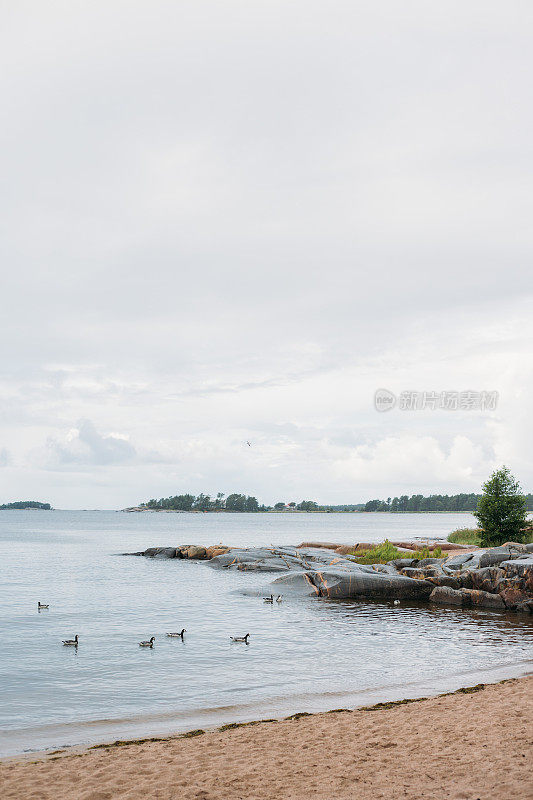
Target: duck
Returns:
[[176, 635], [268, 599], [71, 642], [42, 605], [240, 638], [279, 598], [149, 643], [396, 603]]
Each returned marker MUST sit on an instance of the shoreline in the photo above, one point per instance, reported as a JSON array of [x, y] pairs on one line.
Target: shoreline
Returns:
[[469, 743], [212, 720]]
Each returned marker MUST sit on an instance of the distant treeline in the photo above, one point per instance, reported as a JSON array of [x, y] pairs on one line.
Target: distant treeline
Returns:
[[236, 502], [21, 504], [204, 502], [435, 502]]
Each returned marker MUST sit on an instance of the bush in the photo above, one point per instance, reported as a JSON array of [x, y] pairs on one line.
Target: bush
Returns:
[[465, 536], [388, 552], [501, 510]]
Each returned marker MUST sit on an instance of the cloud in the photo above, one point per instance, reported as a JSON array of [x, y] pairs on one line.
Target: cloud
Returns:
[[247, 244], [83, 446], [5, 457]]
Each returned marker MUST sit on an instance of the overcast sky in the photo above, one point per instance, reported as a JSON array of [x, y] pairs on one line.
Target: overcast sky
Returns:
[[234, 221]]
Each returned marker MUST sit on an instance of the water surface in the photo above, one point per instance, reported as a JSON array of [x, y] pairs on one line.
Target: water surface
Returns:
[[304, 654]]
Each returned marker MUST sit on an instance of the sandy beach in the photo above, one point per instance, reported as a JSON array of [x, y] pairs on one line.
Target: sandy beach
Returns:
[[474, 745]]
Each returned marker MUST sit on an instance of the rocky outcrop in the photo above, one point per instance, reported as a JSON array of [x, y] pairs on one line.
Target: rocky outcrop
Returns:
[[497, 578]]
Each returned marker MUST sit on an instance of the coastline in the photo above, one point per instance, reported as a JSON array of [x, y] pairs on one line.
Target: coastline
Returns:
[[403, 748]]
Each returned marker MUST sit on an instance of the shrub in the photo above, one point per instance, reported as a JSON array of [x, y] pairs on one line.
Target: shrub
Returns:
[[386, 551], [465, 536]]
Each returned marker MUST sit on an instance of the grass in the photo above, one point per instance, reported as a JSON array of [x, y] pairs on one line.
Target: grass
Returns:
[[473, 536], [465, 536], [388, 552]]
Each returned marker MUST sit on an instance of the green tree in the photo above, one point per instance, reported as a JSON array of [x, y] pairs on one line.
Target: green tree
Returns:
[[501, 510], [279, 506]]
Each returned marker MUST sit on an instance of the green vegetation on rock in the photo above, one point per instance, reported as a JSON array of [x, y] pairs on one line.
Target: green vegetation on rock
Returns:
[[385, 552]]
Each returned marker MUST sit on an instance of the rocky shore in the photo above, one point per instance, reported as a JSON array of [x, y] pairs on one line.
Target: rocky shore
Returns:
[[498, 578]]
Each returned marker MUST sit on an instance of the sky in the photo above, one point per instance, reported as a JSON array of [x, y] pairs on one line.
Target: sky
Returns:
[[234, 222]]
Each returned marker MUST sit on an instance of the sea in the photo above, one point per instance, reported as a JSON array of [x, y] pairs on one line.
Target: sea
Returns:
[[304, 654]]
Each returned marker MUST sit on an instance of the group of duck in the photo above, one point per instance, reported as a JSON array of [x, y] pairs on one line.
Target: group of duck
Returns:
[[173, 635]]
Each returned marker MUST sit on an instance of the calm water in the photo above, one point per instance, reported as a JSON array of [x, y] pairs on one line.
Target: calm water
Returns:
[[305, 654]]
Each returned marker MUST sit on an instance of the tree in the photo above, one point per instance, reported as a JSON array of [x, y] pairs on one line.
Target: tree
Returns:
[[501, 510], [307, 505], [279, 506]]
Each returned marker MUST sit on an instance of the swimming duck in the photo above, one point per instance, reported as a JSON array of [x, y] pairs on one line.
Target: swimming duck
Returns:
[[268, 599], [279, 598], [240, 638], [176, 635], [71, 642], [396, 603], [42, 605], [149, 643]]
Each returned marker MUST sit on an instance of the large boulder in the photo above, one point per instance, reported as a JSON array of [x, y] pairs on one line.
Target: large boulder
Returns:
[[514, 596], [475, 597], [495, 556], [356, 583], [160, 552], [446, 596], [194, 551]]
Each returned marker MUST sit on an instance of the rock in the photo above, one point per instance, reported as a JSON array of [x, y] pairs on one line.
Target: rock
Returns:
[[344, 584], [160, 552], [415, 572], [401, 563], [445, 580], [216, 550], [444, 595], [425, 562], [518, 566], [194, 551], [514, 596], [487, 579], [495, 556], [465, 597], [476, 597], [526, 606], [458, 562]]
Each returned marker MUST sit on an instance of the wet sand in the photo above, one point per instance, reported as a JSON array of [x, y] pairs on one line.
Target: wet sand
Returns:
[[463, 746]]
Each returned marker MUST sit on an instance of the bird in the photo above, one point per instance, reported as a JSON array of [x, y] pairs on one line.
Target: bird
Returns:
[[268, 599], [42, 605], [396, 603], [71, 642], [176, 635], [249, 444], [279, 598], [240, 638], [149, 643]]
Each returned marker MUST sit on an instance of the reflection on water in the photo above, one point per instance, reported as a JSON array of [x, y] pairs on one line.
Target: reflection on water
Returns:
[[303, 653]]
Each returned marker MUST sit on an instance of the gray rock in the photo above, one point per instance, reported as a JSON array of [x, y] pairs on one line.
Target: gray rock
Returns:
[[340, 584], [518, 566], [458, 562], [160, 552], [445, 595], [495, 556], [401, 563]]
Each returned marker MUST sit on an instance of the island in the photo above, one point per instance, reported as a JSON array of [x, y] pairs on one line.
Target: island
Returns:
[[22, 505]]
